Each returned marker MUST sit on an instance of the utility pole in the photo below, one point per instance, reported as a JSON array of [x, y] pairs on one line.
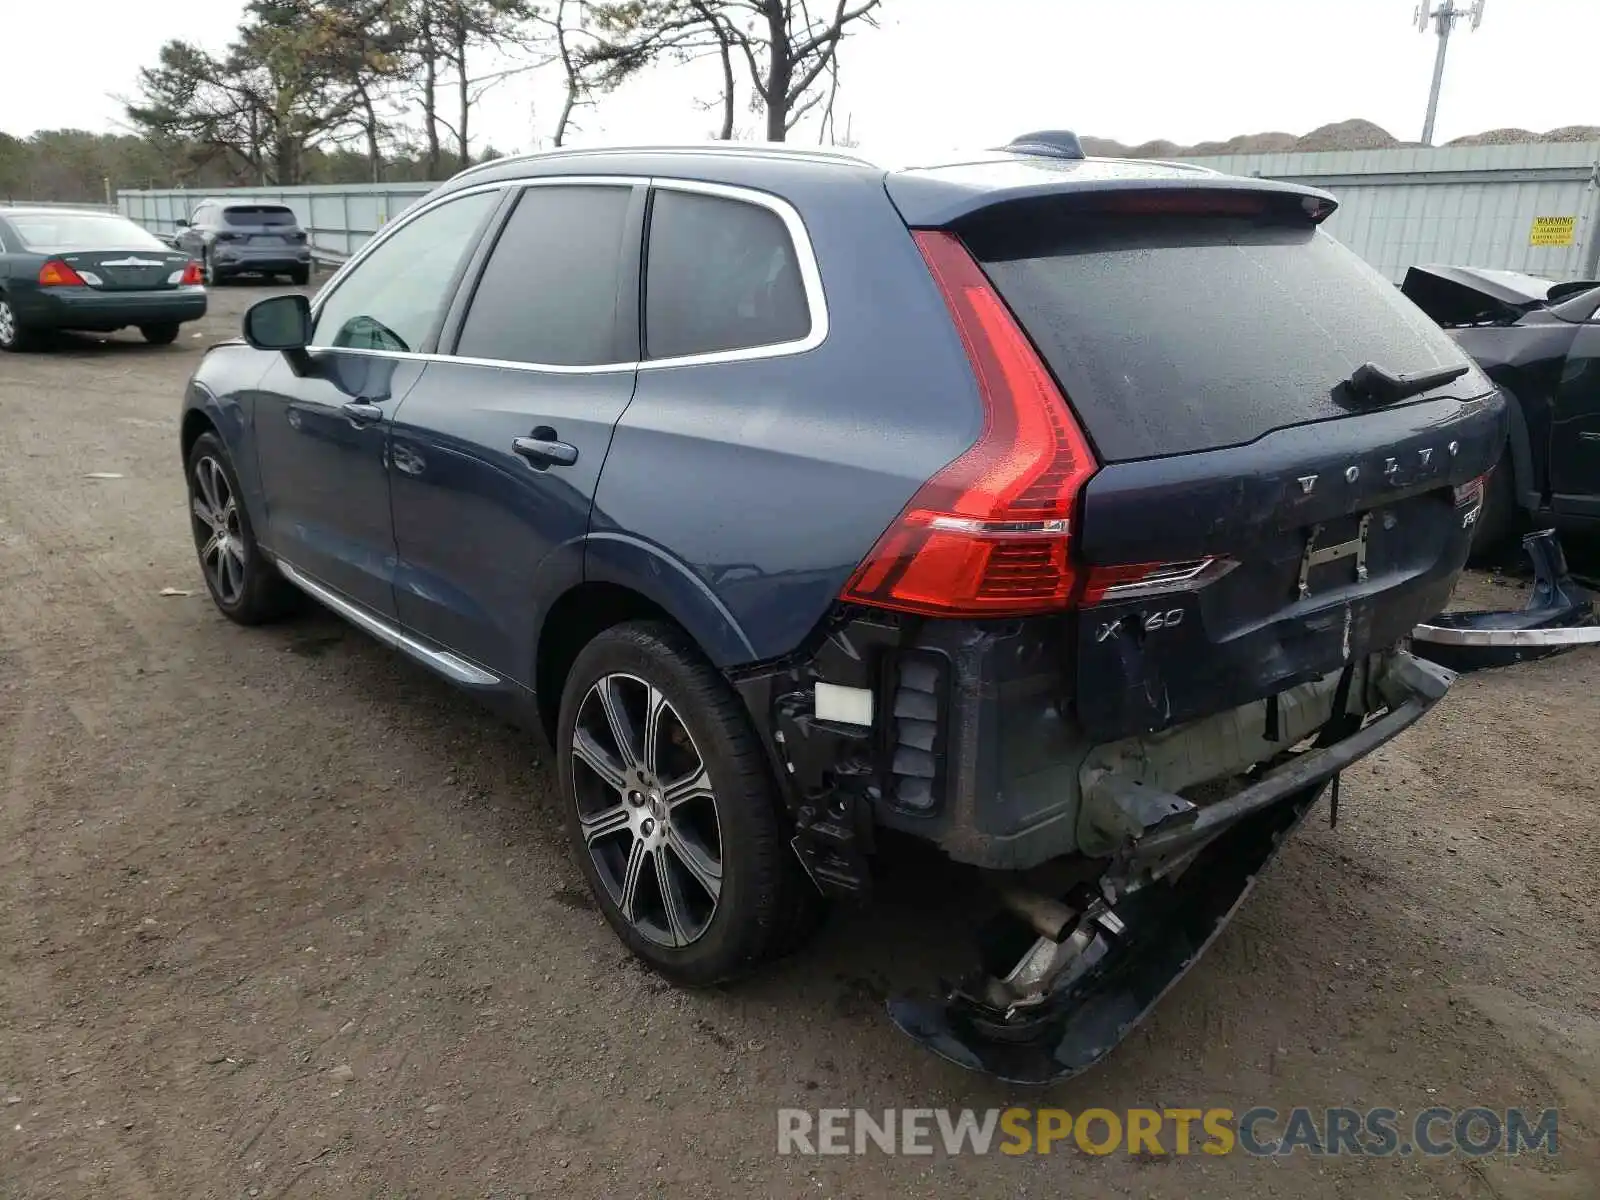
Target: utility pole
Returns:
[[1443, 19]]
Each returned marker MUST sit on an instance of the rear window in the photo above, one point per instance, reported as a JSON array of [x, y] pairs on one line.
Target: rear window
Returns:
[[258, 215], [1176, 334], [720, 275], [56, 233]]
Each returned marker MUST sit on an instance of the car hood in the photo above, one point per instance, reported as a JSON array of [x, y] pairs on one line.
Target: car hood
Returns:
[[1473, 295]]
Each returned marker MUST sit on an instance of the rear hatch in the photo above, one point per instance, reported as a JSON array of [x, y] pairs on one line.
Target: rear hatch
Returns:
[[1258, 519], [261, 226]]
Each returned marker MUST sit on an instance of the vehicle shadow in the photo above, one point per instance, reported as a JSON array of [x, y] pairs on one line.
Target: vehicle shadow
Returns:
[[919, 928]]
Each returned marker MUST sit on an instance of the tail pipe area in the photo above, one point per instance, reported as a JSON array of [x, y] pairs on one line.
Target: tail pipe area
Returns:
[[1089, 966]]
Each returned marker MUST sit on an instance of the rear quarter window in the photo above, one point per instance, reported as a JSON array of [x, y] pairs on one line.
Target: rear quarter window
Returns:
[[720, 275]]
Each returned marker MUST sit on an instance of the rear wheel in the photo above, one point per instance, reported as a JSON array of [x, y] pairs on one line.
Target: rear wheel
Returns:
[[208, 272], [14, 335], [160, 335], [300, 276], [244, 584], [672, 810]]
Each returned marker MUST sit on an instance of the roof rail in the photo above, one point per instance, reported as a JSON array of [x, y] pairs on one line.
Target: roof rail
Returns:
[[1048, 143], [770, 149]]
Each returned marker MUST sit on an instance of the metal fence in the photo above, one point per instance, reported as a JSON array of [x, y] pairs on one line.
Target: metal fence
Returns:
[[337, 219], [1532, 208]]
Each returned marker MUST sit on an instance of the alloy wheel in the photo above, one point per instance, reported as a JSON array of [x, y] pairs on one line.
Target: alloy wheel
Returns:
[[647, 810], [8, 324], [217, 530]]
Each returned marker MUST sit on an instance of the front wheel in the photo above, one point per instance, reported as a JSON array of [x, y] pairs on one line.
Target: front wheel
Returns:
[[245, 586], [672, 810], [160, 335]]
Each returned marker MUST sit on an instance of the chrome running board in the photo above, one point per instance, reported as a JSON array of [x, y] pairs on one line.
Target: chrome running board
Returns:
[[453, 668]]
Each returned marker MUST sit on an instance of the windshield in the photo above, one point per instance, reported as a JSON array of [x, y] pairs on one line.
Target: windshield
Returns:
[[258, 216], [52, 233]]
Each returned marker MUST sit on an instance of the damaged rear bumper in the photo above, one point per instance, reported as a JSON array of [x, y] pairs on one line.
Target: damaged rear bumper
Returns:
[[1103, 957]]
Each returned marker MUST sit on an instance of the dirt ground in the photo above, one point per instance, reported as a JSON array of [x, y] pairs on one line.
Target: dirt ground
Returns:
[[280, 914]]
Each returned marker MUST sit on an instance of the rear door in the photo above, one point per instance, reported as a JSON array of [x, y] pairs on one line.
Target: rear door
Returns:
[[497, 450], [322, 435], [1258, 520]]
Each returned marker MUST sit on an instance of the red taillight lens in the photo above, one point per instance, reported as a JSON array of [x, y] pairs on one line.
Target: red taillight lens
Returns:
[[56, 273], [988, 536], [192, 275]]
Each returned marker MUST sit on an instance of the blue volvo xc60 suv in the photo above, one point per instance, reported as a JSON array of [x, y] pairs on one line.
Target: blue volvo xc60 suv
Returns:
[[1068, 514]]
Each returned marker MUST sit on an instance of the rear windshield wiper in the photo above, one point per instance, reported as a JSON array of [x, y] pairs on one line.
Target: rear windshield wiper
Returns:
[[1372, 382]]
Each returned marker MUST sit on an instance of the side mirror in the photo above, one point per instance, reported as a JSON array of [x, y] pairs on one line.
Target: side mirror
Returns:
[[281, 323], [183, 222]]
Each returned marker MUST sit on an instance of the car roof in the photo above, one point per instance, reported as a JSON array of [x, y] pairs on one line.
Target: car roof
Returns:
[[932, 186], [886, 159], [54, 210]]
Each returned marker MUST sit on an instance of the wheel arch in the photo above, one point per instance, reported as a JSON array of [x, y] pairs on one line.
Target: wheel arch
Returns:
[[625, 579], [578, 616], [1529, 489]]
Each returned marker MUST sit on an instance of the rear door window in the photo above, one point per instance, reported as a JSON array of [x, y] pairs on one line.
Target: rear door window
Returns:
[[549, 292], [1173, 334], [720, 275]]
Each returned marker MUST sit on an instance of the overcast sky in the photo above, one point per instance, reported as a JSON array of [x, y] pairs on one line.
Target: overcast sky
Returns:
[[966, 71]]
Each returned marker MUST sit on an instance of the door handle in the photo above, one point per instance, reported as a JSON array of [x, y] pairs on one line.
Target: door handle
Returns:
[[542, 450], [361, 413]]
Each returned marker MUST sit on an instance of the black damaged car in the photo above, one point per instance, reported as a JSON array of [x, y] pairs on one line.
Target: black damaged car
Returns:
[[1540, 341]]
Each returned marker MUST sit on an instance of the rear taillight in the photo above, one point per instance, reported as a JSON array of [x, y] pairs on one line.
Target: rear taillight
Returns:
[[191, 275], [989, 535], [1471, 492], [56, 273], [1469, 497], [1132, 580]]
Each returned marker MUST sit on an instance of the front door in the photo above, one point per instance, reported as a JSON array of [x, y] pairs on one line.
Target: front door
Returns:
[[1575, 429], [322, 431], [497, 450]]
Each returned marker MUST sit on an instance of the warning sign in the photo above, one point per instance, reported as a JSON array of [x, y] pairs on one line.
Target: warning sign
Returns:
[[1552, 231]]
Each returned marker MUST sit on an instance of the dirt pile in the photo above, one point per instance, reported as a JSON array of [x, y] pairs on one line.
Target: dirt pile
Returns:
[[1355, 134]]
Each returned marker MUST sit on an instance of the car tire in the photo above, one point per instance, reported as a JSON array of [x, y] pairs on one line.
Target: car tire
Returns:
[[160, 335], [1499, 519], [15, 337], [300, 276], [244, 584], [208, 272], [716, 889]]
